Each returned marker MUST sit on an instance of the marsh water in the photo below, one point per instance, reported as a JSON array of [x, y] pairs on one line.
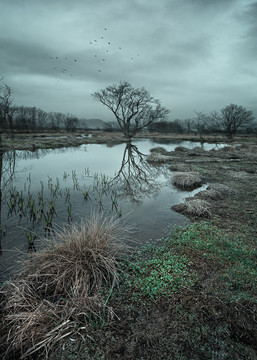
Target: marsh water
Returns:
[[45, 189]]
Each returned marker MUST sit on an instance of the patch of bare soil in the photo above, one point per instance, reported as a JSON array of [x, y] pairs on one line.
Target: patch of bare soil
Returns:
[[192, 325]]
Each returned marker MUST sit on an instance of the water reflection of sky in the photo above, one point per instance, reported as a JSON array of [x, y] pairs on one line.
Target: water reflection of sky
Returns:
[[98, 158]]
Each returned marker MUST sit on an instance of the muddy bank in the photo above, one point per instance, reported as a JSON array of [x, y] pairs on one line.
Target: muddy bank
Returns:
[[52, 140]]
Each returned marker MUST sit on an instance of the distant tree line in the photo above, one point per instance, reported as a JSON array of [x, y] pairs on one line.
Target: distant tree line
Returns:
[[30, 118], [230, 120], [134, 110]]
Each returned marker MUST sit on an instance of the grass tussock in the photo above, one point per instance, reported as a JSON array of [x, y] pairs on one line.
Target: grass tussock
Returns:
[[61, 289], [156, 157], [215, 192], [179, 167], [181, 149], [187, 180], [194, 207]]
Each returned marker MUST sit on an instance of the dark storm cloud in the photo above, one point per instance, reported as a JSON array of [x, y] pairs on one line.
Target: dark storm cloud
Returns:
[[186, 54], [21, 56], [191, 54], [248, 19]]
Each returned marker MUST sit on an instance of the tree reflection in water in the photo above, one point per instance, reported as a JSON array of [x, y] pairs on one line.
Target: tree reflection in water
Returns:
[[32, 212], [136, 178]]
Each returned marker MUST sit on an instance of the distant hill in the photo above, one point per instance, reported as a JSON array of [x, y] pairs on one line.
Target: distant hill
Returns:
[[93, 123]]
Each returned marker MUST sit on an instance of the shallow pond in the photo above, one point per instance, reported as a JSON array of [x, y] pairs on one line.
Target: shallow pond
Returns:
[[48, 188]]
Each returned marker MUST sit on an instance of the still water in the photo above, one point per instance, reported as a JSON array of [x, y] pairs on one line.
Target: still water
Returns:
[[48, 188]]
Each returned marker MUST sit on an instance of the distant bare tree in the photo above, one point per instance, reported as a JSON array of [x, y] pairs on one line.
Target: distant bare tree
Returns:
[[166, 126], [6, 112], [5, 106], [133, 108], [189, 124], [41, 118], [71, 122], [232, 117], [201, 121]]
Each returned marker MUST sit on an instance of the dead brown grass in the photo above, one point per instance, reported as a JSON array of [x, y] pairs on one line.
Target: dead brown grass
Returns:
[[215, 192], [187, 180], [194, 207], [60, 290]]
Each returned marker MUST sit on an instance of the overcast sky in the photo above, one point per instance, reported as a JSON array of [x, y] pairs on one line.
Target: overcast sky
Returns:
[[191, 54]]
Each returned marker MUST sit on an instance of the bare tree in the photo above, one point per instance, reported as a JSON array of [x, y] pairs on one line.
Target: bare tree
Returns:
[[6, 115], [232, 117], [189, 124], [71, 122], [41, 118], [133, 108], [201, 120]]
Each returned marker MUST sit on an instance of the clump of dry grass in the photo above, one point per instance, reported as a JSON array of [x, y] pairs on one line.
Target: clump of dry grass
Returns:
[[159, 150], [221, 189], [198, 207], [179, 167], [195, 208], [187, 180], [59, 289], [156, 157], [181, 148], [215, 192]]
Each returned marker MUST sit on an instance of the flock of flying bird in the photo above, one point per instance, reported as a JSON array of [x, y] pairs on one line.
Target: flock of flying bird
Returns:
[[98, 56]]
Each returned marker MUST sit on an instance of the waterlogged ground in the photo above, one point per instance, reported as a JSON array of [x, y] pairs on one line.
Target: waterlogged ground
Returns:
[[193, 295], [190, 295], [47, 188]]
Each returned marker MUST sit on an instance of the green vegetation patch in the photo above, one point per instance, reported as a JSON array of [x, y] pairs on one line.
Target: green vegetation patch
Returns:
[[156, 271], [171, 265], [237, 256]]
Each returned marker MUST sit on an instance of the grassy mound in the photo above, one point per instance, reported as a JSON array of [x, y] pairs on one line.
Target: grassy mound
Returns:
[[194, 207], [60, 290], [187, 180]]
